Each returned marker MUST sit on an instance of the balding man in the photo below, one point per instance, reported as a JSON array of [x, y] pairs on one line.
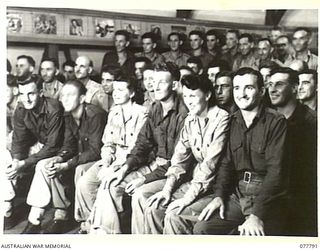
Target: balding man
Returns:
[[95, 94]]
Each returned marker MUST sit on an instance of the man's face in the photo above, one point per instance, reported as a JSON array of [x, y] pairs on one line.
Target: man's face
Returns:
[[139, 68], [283, 46], [195, 42], [174, 43], [264, 50], [246, 93], [148, 80], [307, 87], [265, 72], [48, 71], [300, 40], [147, 45], [70, 98], [29, 95], [231, 40], [223, 90], [82, 69], [195, 100], [212, 74], [107, 82], [194, 67], [68, 72], [212, 42], [280, 90], [23, 67], [274, 35], [121, 94], [245, 46], [120, 43], [162, 85]]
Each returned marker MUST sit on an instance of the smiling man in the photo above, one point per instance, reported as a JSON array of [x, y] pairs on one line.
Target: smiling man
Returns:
[[252, 169], [308, 87]]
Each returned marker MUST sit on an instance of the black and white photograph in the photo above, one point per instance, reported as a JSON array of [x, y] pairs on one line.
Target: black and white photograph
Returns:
[[212, 133]]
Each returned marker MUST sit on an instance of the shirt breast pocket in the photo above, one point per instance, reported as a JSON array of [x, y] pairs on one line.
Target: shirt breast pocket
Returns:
[[258, 147]]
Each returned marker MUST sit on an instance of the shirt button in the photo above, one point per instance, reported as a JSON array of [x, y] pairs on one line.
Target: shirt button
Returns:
[[86, 139], [198, 149], [111, 132], [131, 134]]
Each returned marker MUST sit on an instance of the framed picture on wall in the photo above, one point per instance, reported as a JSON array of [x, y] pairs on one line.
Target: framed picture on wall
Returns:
[[14, 22], [76, 27], [156, 29], [45, 24], [134, 28], [104, 28]]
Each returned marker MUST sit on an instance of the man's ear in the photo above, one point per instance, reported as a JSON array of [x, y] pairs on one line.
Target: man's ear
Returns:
[[15, 90], [127, 43], [31, 68], [208, 96], [295, 89], [180, 43], [57, 72], [175, 85], [200, 72], [90, 70], [132, 94], [262, 91], [41, 92], [154, 45], [82, 99]]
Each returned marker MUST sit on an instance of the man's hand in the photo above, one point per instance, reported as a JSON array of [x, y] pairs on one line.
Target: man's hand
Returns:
[[253, 226], [117, 175], [134, 184], [156, 199], [13, 169], [211, 207], [179, 204], [57, 168]]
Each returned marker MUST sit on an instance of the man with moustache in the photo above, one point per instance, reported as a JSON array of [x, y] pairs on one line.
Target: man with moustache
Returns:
[[301, 149], [250, 190]]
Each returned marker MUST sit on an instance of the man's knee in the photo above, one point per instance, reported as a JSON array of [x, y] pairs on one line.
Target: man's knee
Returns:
[[201, 227]]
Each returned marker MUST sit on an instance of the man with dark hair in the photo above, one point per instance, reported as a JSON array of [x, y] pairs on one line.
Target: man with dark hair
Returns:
[[150, 157], [246, 58], [284, 51], [265, 50], [193, 164], [25, 66], [275, 33], [223, 91], [68, 70], [149, 44], [140, 64], [121, 57], [95, 93], [232, 39], [37, 134], [215, 67], [175, 54], [301, 40], [196, 39], [84, 124], [213, 43], [195, 64], [250, 189], [301, 152], [308, 88], [48, 72], [148, 82]]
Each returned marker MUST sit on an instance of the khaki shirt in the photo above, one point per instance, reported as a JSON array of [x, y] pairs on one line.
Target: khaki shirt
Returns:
[[204, 143], [52, 89], [181, 60], [120, 135], [156, 59], [311, 60]]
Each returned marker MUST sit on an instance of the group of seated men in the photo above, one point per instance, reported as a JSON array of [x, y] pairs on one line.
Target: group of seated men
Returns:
[[207, 142]]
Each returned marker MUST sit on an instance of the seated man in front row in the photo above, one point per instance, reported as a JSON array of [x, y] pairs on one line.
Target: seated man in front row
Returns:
[[250, 191], [84, 125], [155, 142], [37, 134]]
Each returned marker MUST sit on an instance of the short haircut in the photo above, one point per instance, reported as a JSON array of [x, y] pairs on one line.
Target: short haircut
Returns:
[[265, 39], [170, 67], [82, 90], [28, 58], [224, 74], [50, 59], [236, 32], [198, 33], [144, 59], [9, 67], [174, 34], [284, 36], [303, 29], [248, 36], [24, 80], [269, 65], [293, 75], [124, 33], [111, 69], [124, 77], [195, 60], [222, 64], [251, 71], [312, 72], [213, 32], [149, 35], [69, 63]]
